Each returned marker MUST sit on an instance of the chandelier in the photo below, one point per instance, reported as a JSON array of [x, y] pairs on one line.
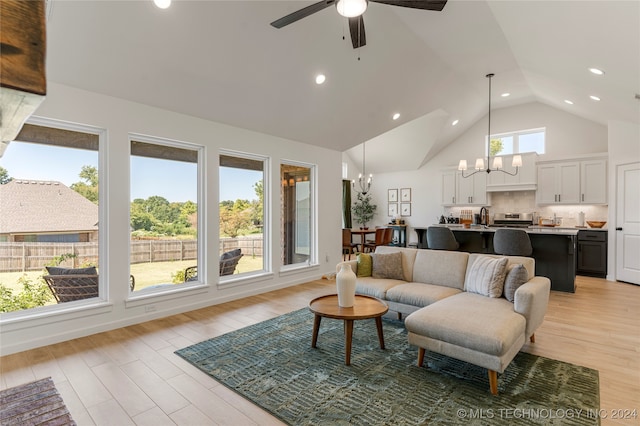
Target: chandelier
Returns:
[[497, 161], [364, 182]]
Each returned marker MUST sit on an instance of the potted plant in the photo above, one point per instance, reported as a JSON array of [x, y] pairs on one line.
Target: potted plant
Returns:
[[363, 210]]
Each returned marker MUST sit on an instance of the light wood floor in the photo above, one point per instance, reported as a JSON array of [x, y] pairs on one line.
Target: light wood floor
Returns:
[[131, 376]]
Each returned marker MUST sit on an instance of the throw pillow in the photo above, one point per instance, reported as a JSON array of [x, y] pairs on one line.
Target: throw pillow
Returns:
[[486, 276], [387, 266], [516, 276], [364, 265], [56, 270]]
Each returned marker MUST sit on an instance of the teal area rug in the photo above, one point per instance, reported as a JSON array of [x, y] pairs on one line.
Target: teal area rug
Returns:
[[273, 365]]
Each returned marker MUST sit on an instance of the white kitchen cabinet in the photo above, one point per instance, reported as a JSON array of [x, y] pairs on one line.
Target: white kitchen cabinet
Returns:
[[525, 180], [558, 183], [472, 190], [448, 188], [593, 181], [572, 182]]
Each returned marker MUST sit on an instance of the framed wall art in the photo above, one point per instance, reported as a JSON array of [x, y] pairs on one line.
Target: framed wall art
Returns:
[[393, 209], [405, 195], [405, 209], [392, 195]]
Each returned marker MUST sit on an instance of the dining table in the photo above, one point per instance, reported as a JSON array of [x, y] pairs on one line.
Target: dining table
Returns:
[[363, 235]]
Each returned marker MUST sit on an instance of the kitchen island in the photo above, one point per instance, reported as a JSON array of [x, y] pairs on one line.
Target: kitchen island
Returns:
[[554, 249]]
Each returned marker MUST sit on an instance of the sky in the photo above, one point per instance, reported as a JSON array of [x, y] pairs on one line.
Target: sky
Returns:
[[173, 180]]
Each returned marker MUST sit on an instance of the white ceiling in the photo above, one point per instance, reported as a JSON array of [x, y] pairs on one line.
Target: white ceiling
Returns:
[[222, 61]]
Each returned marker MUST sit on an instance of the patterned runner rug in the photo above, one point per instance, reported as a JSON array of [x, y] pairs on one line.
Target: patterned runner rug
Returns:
[[35, 403], [273, 365]]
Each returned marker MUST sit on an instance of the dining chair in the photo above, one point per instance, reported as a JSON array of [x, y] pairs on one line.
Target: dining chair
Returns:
[[371, 245], [348, 246]]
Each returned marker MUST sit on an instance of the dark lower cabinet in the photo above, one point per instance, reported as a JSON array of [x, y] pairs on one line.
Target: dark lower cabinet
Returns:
[[592, 253]]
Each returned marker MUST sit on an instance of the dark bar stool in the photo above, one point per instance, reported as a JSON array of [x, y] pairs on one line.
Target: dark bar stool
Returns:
[[512, 242], [441, 238]]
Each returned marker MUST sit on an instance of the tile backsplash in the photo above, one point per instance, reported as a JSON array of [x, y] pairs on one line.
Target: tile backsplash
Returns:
[[525, 202]]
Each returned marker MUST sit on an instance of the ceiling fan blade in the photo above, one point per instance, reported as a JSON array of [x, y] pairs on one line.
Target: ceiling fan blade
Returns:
[[356, 28], [436, 5], [302, 13]]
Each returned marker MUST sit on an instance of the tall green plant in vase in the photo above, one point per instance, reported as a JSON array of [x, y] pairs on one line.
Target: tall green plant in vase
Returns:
[[363, 210]]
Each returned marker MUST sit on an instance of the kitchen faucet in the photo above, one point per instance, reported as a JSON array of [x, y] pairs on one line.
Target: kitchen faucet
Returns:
[[484, 216]]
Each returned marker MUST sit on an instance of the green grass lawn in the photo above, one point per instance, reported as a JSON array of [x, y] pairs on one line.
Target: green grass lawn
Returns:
[[146, 274]]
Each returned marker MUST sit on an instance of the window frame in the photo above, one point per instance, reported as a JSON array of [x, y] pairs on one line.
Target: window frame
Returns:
[[102, 302], [200, 202], [516, 140], [236, 279], [312, 261]]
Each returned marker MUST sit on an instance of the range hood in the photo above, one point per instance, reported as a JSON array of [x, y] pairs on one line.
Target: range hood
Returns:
[[23, 84]]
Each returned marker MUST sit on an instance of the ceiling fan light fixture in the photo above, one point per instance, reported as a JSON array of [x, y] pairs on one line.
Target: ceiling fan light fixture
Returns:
[[351, 8], [162, 4]]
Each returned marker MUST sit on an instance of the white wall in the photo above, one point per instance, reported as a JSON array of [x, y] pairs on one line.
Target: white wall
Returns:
[[566, 135], [119, 118], [624, 148]]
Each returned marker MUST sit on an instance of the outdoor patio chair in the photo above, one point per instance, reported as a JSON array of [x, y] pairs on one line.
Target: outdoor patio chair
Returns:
[[67, 288], [228, 262]]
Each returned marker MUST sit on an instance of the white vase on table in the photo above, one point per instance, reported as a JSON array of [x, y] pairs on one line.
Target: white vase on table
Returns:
[[346, 286]]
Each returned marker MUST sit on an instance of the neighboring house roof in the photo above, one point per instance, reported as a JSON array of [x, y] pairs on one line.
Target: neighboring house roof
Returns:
[[28, 206]]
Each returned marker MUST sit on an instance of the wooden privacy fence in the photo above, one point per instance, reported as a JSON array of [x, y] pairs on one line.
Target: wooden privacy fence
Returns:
[[16, 257]]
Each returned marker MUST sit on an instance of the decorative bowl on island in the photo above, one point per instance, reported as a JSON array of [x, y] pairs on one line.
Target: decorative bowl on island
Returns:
[[596, 223]]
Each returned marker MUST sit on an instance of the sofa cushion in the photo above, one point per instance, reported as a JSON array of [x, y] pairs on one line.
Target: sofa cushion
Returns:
[[364, 265], [387, 266], [376, 287], [528, 262], [516, 276], [446, 268], [56, 270], [408, 258], [419, 294], [487, 325], [486, 276]]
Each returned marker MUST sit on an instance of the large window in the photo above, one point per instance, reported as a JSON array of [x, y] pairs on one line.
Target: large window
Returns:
[[297, 212], [49, 225], [242, 214], [164, 214], [518, 142]]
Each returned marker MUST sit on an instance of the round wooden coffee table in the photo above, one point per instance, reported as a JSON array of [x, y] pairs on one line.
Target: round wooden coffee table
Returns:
[[365, 307]]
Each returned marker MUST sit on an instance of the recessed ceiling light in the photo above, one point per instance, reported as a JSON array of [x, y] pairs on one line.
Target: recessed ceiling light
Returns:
[[396, 115], [162, 4], [567, 101], [595, 98], [596, 71], [320, 78], [504, 95], [455, 122]]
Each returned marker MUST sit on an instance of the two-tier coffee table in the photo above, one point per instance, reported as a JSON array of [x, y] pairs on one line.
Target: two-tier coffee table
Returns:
[[365, 307]]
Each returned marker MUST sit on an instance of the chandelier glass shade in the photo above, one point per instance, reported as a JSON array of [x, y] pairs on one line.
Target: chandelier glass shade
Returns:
[[351, 8], [364, 182], [497, 161]]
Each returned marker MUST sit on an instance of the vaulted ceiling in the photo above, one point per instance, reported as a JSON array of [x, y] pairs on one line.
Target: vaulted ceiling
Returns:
[[222, 61]]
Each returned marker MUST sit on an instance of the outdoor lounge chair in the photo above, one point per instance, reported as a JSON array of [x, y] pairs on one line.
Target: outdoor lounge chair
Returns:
[[69, 284], [228, 262], [67, 288]]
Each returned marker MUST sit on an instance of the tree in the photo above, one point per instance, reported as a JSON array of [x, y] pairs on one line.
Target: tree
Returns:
[[4, 176], [257, 206], [496, 146], [88, 187], [363, 210]]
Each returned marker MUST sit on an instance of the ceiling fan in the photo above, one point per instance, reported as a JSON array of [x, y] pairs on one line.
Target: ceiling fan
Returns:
[[353, 10]]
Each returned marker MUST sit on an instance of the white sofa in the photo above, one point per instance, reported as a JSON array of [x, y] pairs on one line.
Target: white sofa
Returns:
[[445, 318]]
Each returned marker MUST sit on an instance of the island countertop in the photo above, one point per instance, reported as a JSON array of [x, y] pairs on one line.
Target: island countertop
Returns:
[[532, 230]]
